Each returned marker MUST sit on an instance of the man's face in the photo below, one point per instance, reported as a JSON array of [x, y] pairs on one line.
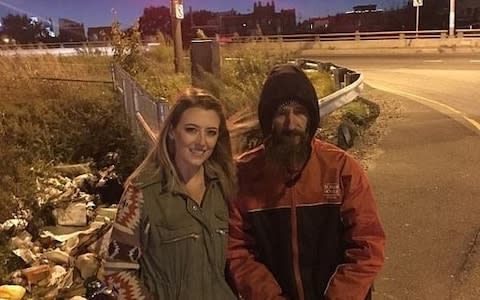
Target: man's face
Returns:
[[289, 144], [290, 121]]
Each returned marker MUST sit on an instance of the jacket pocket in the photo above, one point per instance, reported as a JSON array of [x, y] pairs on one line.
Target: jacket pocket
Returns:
[[173, 252]]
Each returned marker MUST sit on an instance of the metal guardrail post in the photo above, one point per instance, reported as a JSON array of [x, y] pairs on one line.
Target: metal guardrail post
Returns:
[[162, 112], [114, 78], [339, 77], [350, 77], [135, 101], [125, 98], [357, 35]]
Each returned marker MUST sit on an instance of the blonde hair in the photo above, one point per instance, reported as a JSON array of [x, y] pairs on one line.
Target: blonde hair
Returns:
[[160, 159]]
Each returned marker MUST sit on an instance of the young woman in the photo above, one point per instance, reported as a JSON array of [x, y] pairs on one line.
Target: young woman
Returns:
[[170, 235]]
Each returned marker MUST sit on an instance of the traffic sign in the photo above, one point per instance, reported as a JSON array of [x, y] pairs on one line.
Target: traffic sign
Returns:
[[179, 10], [417, 3]]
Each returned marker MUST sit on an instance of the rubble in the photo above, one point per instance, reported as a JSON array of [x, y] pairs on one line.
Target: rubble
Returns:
[[64, 238]]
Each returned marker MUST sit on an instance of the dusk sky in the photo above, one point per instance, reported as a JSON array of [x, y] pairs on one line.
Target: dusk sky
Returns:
[[99, 12]]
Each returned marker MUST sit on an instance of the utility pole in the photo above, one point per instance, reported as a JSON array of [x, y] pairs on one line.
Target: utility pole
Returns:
[[451, 26], [177, 17]]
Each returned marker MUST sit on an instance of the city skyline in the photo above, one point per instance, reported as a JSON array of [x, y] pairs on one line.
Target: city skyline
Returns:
[[100, 13]]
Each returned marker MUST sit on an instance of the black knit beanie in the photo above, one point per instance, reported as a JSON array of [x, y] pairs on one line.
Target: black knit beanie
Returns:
[[286, 83]]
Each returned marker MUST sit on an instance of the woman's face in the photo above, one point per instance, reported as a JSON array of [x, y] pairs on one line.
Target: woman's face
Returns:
[[195, 137]]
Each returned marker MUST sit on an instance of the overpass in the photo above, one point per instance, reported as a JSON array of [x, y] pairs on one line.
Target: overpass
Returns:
[[433, 41]]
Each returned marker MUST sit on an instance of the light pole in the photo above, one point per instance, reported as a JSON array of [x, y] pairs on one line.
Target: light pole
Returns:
[[451, 23], [176, 8]]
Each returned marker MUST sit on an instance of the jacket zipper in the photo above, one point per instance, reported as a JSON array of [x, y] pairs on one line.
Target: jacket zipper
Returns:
[[189, 236], [295, 251]]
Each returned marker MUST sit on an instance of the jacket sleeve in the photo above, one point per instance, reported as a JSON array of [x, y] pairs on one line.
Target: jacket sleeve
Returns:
[[125, 248], [364, 238], [251, 279]]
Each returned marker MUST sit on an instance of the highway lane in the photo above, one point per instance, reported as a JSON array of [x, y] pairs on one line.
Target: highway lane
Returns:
[[447, 82], [426, 175]]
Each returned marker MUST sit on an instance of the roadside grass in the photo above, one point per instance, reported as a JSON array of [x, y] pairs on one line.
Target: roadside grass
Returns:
[[45, 121]]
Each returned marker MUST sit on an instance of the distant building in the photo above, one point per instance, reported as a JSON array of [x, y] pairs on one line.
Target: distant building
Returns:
[[264, 20], [71, 31], [99, 34], [362, 18], [317, 25], [468, 14], [365, 8]]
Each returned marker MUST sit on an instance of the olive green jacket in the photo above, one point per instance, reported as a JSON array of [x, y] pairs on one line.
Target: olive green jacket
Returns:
[[165, 246]]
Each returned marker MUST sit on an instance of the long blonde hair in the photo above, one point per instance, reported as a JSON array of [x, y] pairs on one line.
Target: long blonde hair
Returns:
[[160, 158]]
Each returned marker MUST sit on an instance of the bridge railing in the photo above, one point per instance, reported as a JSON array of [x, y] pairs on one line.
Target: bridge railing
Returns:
[[351, 36], [309, 37]]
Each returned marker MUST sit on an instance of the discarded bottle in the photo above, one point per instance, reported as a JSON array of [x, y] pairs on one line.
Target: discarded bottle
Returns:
[[96, 290]]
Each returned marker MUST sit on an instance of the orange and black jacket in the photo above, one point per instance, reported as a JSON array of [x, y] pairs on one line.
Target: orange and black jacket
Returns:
[[316, 237]]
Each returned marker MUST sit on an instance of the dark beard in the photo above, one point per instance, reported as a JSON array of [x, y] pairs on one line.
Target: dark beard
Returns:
[[282, 150]]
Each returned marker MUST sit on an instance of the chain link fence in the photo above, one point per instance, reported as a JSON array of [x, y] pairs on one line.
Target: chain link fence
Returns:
[[144, 112]]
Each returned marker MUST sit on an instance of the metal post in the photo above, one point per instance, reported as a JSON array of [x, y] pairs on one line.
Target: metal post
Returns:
[[177, 16], [416, 26], [451, 26]]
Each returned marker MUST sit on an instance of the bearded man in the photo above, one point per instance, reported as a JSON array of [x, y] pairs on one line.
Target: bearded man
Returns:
[[304, 224]]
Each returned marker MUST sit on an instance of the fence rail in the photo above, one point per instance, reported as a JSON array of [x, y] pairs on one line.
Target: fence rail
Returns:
[[147, 113], [308, 37], [351, 36]]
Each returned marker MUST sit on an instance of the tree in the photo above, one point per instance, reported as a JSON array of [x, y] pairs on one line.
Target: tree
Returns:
[[127, 47], [155, 20], [23, 30]]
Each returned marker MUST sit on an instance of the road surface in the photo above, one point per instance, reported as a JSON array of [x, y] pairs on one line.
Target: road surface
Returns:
[[427, 177]]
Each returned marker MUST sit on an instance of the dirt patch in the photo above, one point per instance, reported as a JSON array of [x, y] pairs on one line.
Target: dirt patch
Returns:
[[369, 134]]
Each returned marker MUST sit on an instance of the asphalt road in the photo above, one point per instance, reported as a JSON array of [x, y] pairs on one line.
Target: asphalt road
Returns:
[[427, 175], [448, 82]]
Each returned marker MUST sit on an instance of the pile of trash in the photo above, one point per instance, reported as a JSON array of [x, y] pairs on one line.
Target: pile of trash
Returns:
[[63, 240]]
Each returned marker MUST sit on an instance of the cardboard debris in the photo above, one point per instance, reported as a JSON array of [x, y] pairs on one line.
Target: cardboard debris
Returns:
[[73, 170], [75, 214], [26, 255], [57, 256], [36, 273]]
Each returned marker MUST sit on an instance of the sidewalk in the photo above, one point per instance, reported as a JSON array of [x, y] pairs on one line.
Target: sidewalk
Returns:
[[425, 174]]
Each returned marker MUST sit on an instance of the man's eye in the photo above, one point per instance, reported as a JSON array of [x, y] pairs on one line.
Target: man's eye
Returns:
[[300, 111]]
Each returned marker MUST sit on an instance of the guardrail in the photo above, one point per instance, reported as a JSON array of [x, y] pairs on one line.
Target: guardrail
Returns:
[[148, 113], [308, 37], [351, 36]]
